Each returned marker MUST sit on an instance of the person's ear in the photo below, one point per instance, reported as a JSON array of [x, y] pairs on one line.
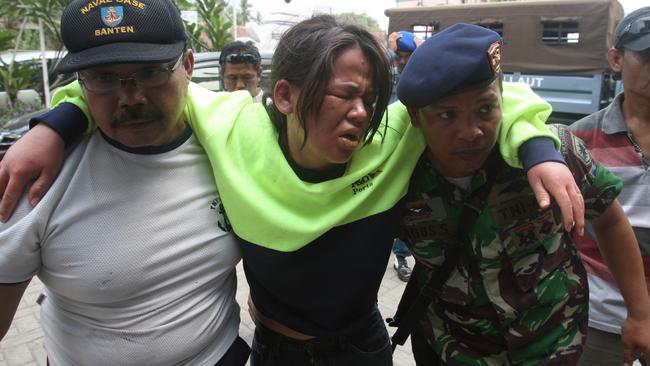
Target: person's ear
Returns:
[[283, 95], [615, 58], [188, 64], [413, 114]]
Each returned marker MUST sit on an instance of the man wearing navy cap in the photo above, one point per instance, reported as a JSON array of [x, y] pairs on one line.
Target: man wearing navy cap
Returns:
[[619, 138], [502, 283], [123, 289]]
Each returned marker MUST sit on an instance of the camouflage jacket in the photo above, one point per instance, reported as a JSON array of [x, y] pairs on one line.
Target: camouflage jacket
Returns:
[[518, 293]]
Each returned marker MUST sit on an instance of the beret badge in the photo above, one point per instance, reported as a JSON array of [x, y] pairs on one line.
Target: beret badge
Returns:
[[494, 56]]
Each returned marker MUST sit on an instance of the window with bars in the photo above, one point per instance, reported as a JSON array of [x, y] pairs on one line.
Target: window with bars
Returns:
[[495, 25], [425, 31], [557, 32]]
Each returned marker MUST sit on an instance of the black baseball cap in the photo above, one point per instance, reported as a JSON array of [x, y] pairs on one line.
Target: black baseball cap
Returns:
[[100, 32], [633, 32]]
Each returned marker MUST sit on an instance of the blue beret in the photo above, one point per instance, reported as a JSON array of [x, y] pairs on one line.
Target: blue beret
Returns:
[[461, 57], [406, 42]]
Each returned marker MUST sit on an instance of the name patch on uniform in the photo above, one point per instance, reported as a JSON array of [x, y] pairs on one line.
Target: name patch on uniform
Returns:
[[530, 232], [430, 229], [514, 209]]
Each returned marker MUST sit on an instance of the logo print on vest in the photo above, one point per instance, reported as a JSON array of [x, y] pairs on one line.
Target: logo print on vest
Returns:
[[112, 15]]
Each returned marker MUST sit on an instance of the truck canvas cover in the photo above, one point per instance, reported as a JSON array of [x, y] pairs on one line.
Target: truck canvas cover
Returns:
[[554, 37]]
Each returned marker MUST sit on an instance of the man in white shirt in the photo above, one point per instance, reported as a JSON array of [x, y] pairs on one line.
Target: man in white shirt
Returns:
[[131, 242]]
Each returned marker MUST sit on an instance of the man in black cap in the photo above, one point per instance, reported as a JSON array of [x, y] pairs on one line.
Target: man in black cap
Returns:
[[619, 138], [122, 288], [241, 68], [501, 282]]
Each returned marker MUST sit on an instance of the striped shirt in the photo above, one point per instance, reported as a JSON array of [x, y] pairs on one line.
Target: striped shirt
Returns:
[[610, 143]]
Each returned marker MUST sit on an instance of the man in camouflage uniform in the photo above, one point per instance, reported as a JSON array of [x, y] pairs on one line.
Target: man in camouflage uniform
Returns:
[[516, 290]]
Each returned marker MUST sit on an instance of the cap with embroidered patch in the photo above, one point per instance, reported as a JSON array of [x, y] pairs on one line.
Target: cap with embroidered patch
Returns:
[[101, 32], [406, 42], [461, 57], [633, 31]]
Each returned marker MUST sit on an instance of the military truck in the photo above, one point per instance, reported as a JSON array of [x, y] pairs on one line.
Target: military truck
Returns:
[[557, 47]]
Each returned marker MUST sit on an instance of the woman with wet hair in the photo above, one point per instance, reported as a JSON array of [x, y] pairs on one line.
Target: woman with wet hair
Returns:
[[313, 188], [313, 184]]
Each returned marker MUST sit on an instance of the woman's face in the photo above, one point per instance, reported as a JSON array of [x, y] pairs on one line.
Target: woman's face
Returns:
[[339, 126]]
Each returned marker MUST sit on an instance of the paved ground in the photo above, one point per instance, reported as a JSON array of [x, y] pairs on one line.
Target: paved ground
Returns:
[[23, 344]]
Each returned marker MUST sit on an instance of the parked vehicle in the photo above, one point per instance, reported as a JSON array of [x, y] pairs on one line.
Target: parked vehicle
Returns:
[[557, 47], [31, 58], [15, 129]]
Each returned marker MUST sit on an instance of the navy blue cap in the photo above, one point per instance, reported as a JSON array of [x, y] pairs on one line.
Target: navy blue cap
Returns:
[[633, 31], [461, 57], [106, 32], [406, 42]]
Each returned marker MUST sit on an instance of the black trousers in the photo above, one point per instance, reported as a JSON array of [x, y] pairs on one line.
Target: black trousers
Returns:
[[370, 347], [237, 354], [422, 352]]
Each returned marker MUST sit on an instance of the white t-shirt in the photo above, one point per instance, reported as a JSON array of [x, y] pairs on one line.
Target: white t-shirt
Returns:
[[129, 247]]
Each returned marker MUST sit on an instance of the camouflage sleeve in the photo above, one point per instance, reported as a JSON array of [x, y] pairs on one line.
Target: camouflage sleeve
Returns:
[[599, 186]]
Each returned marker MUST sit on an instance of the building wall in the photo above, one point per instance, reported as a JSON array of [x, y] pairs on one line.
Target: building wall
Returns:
[[414, 3]]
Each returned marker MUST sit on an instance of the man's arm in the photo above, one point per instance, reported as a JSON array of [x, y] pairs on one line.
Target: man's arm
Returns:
[[553, 179], [621, 251], [392, 41], [524, 119], [10, 295], [524, 139], [38, 155]]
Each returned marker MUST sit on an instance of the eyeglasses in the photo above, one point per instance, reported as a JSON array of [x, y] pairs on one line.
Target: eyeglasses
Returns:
[[241, 58], [143, 79]]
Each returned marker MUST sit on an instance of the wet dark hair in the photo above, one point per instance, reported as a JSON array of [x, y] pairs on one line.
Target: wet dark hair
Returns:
[[305, 57]]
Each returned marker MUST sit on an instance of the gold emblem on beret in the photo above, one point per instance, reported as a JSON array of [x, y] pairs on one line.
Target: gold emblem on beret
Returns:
[[494, 55]]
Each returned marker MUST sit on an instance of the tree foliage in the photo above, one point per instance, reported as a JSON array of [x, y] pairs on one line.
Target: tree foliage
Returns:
[[14, 12], [363, 20], [258, 18], [244, 12], [212, 31], [24, 15]]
